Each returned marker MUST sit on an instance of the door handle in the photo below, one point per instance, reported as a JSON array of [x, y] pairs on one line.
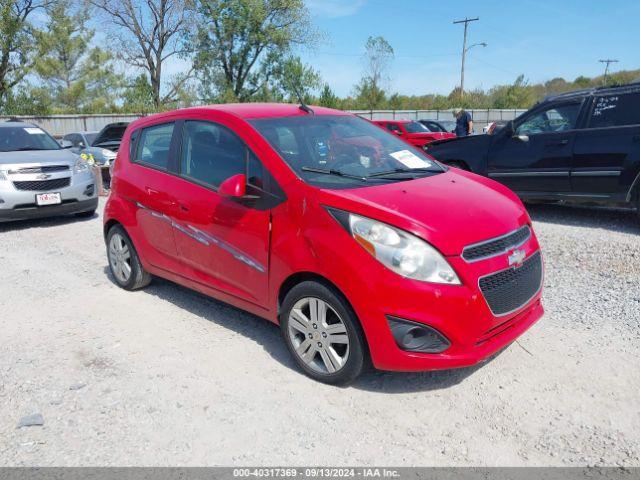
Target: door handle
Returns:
[[161, 197], [558, 143], [184, 207]]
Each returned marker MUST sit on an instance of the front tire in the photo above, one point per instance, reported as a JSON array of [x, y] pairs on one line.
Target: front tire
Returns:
[[323, 334], [124, 262]]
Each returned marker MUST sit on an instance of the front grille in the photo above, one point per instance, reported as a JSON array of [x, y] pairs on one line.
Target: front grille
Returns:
[[508, 290], [43, 185], [42, 169], [496, 246]]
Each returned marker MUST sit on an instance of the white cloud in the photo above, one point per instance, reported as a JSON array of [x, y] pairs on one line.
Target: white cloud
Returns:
[[334, 8]]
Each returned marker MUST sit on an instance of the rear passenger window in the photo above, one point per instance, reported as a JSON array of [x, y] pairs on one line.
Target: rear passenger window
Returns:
[[153, 146], [615, 111], [211, 154]]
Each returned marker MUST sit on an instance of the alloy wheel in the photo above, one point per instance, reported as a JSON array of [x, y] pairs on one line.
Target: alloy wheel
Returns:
[[318, 335], [120, 258]]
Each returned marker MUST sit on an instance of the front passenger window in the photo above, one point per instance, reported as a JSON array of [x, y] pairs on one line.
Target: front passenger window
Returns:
[[556, 119], [211, 153]]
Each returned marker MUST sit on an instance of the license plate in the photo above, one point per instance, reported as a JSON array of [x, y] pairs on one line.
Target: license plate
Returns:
[[48, 199]]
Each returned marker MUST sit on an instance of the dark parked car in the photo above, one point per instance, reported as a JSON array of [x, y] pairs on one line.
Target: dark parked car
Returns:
[[447, 126], [581, 146]]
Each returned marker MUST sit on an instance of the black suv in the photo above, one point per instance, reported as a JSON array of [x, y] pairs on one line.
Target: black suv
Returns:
[[581, 146]]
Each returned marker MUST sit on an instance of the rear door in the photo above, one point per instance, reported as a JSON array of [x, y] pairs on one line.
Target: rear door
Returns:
[[605, 151], [151, 177], [223, 242], [536, 157]]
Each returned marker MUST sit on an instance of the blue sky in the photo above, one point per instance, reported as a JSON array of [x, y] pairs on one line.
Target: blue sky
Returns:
[[541, 39]]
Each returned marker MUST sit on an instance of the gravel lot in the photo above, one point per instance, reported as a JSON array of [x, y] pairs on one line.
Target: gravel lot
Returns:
[[166, 376]]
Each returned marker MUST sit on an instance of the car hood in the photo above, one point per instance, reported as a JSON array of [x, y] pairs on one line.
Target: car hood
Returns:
[[37, 157], [470, 141], [110, 136], [450, 210]]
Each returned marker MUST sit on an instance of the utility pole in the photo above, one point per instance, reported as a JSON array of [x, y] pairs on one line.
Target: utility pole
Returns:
[[608, 62], [466, 22]]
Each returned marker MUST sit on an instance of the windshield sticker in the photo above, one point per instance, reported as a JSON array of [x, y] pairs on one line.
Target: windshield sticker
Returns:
[[410, 160], [34, 131]]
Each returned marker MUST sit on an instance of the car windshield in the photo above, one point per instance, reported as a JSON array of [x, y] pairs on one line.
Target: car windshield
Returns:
[[23, 138], [91, 137], [450, 125], [415, 127], [343, 151]]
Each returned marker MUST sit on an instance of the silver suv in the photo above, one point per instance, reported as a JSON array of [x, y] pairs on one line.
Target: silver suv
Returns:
[[38, 178]]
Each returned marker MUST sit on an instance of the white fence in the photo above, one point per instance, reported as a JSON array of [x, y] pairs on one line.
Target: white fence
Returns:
[[60, 125]]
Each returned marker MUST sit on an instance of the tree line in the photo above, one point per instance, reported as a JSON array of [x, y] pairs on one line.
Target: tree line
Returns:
[[109, 56]]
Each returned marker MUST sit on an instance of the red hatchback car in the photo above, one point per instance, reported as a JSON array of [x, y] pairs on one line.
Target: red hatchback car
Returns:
[[414, 133], [356, 245]]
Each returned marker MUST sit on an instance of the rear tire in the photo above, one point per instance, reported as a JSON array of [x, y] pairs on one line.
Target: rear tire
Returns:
[[323, 334], [124, 261]]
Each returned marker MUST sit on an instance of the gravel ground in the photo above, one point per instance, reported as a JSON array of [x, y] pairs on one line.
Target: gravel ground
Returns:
[[166, 376]]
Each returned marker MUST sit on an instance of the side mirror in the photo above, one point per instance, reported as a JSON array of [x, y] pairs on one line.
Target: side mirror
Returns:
[[66, 144], [234, 187]]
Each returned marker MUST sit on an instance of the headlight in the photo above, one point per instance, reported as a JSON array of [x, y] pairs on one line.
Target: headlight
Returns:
[[107, 153], [81, 166], [400, 251]]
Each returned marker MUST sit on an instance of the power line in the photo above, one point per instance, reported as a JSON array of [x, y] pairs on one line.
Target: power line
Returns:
[[466, 22], [608, 62]]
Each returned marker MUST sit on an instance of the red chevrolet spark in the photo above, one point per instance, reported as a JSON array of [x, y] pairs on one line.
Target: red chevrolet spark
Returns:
[[356, 244]]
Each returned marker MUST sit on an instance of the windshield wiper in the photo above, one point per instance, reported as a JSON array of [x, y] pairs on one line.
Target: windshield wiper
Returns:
[[401, 170], [333, 171]]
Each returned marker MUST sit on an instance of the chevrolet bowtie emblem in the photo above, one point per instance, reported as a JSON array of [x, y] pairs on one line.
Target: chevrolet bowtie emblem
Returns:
[[516, 258], [43, 176]]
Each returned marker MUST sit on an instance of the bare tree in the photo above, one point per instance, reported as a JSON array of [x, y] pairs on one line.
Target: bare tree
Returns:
[[18, 46], [149, 33], [377, 60], [378, 57]]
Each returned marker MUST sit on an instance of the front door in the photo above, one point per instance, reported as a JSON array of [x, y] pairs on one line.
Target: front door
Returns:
[[223, 242], [535, 157], [605, 147]]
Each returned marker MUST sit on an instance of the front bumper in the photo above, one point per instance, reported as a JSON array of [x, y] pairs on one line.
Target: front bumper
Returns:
[[80, 196], [460, 313]]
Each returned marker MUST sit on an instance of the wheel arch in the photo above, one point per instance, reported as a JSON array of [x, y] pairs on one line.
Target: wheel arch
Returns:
[[110, 224], [297, 278]]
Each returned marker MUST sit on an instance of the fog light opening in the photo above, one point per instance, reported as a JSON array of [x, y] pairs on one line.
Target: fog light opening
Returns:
[[89, 190], [417, 337]]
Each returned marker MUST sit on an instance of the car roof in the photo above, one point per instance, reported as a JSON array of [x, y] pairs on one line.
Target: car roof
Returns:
[[405, 120], [266, 110], [13, 123], [628, 88]]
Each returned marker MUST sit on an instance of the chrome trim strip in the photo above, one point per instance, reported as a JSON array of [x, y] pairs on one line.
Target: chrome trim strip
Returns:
[[205, 238], [514, 268], [597, 173], [491, 240], [529, 174]]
